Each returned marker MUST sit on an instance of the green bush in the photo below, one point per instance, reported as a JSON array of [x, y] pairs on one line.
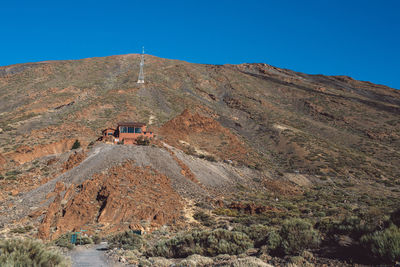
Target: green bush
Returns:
[[272, 241], [143, 141], [13, 173], [383, 245], [125, 240], [349, 226], [258, 233], [207, 157], [76, 145], [84, 240], [210, 158], [226, 212], [204, 218], [261, 235], [22, 229], [206, 243], [65, 240], [395, 217], [298, 235], [353, 226], [91, 144], [96, 239], [18, 252]]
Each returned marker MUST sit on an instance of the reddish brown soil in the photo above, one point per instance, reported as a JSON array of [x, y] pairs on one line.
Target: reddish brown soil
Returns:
[[25, 153], [64, 131], [281, 187], [206, 134], [124, 197], [3, 161]]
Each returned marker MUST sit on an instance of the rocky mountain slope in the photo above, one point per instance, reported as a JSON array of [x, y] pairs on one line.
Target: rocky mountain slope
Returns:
[[273, 111], [250, 138]]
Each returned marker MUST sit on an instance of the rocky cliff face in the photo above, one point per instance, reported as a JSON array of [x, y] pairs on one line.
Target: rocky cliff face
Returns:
[[124, 197]]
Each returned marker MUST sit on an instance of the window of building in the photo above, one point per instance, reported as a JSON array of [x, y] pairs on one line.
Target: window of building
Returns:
[[110, 133], [138, 130], [123, 129]]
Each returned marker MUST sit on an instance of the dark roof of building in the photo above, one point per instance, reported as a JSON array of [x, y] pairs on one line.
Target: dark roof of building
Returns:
[[131, 123]]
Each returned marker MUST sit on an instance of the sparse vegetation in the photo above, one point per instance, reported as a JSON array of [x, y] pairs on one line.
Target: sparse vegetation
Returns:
[[298, 235], [65, 241], [91, 144], [225, 212], [22, 229], [204, 218], [208, 157], [26, 253], [395, 217], [143, 141], [384, 245], [262, 235], [126, 240], [206, 243], [10, 175], [96, 239]]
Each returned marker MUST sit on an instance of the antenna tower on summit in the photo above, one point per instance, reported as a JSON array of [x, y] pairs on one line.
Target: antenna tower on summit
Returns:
[[141, 74]]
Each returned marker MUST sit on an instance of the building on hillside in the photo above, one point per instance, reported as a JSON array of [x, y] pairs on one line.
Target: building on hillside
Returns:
[[108, 132], [126, 133]]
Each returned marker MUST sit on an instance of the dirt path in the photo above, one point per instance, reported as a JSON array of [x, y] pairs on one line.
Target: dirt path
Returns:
[[93, 256]]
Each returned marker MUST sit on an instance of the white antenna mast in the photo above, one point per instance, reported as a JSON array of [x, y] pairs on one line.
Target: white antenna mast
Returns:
[[141, 74]]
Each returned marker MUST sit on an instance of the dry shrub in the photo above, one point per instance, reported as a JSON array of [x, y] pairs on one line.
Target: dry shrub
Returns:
[[126, 240], [383, 245], [26, 252], [206, 243], [298, 235]]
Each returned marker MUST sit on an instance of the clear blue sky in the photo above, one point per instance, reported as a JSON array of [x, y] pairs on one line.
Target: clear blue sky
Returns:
[[356, 38]]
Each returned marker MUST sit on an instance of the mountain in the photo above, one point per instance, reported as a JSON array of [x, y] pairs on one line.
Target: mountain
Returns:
[[251, 139]]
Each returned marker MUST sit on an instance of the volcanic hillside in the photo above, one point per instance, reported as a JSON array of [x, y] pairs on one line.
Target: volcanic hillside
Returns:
[[223, 132]]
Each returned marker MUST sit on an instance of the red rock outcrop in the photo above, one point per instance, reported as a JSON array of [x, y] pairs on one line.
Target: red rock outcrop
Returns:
[[185, 169], [206, 134], [187, 123], [123, 197], [74, 159]]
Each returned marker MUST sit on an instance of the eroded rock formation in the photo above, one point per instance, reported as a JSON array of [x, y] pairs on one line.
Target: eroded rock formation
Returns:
[[124, 197]]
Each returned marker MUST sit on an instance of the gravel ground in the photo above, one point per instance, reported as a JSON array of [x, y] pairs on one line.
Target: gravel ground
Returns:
[[91, 256], [215, 174]]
